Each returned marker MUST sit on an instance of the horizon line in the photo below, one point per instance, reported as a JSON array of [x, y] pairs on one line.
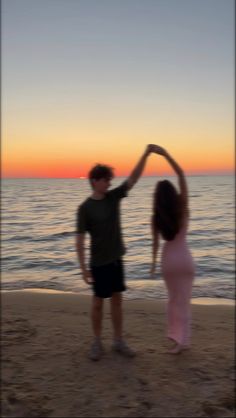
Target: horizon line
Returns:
[[223, 173]]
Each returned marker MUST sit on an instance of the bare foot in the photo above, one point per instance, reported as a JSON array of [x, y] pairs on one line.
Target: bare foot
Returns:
[[176, 350], [171, 344]]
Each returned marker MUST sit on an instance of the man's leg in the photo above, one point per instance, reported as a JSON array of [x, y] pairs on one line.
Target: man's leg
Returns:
[[116, 314], [96, 316], [119, 344]]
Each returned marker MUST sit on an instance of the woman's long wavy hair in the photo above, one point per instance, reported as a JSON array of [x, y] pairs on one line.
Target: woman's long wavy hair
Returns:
[[167, 210]]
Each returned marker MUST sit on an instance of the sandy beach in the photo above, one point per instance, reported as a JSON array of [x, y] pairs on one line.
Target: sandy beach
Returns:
[[46, 372]]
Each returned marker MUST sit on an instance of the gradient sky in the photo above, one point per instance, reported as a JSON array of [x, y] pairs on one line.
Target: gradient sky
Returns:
[[87, 81]]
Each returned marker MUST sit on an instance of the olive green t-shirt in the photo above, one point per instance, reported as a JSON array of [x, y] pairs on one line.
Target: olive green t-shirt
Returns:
[[101, 219]]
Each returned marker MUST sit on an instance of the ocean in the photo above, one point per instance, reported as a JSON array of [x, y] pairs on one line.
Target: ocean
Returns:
[[38, 235]]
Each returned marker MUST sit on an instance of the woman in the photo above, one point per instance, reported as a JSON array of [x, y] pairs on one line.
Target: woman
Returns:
[[170, 220]]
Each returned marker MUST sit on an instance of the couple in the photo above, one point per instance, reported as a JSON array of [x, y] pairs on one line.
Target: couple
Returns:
[[99, 215]]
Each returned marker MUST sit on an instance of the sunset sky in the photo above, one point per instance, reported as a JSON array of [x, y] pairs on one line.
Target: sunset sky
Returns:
[[87, 81]]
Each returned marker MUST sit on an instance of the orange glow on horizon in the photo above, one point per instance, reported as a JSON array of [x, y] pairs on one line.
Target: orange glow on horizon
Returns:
[[62, 164], [81, 171]]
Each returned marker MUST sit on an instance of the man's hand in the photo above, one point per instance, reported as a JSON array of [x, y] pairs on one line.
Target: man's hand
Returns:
[[158, 150], [87, 277], [149, 149]]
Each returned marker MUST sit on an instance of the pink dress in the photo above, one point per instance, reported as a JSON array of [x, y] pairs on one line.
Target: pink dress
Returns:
[[178, 272]]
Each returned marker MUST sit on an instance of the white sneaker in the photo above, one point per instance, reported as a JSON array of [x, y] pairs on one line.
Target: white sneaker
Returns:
[[96, 351], [123, 348]]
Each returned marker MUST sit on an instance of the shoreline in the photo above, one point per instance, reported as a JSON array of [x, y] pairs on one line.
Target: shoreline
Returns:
[[194, 301]]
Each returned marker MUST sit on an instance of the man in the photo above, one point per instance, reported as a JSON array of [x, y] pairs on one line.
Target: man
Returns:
[[99, 215]]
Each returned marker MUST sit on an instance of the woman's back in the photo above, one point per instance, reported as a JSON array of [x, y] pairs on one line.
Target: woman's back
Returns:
[[176, 256]]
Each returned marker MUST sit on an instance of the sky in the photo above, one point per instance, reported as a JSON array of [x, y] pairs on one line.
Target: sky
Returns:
[[95, 81]]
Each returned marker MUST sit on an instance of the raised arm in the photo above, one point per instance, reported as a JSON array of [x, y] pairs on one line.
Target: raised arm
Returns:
[[138, 169], [180, 173]]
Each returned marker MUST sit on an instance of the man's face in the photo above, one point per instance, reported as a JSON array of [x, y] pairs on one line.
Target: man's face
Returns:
[[101, 185]]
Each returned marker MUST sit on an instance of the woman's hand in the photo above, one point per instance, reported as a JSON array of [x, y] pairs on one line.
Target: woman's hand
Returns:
[[149, 149], [159, 150]]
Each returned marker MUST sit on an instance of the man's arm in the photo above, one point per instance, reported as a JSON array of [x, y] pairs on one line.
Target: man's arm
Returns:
[[80, 239], [137, 171]]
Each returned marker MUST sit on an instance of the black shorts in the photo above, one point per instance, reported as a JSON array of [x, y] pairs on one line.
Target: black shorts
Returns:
[[108, 279]]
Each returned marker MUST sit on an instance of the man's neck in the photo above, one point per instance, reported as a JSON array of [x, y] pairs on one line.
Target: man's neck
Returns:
[[97, 195]]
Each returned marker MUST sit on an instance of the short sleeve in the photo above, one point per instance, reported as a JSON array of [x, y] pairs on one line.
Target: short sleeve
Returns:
[[120, 191], [81, 224]]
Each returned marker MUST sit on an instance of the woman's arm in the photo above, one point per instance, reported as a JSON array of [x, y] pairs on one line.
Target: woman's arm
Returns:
[[155, 246], [180, 173]]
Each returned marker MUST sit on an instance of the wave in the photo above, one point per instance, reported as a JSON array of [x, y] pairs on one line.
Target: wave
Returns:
[[54, 237], [45, 238], [28, 284], [63, 234], [40, 264], [135, 290]]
